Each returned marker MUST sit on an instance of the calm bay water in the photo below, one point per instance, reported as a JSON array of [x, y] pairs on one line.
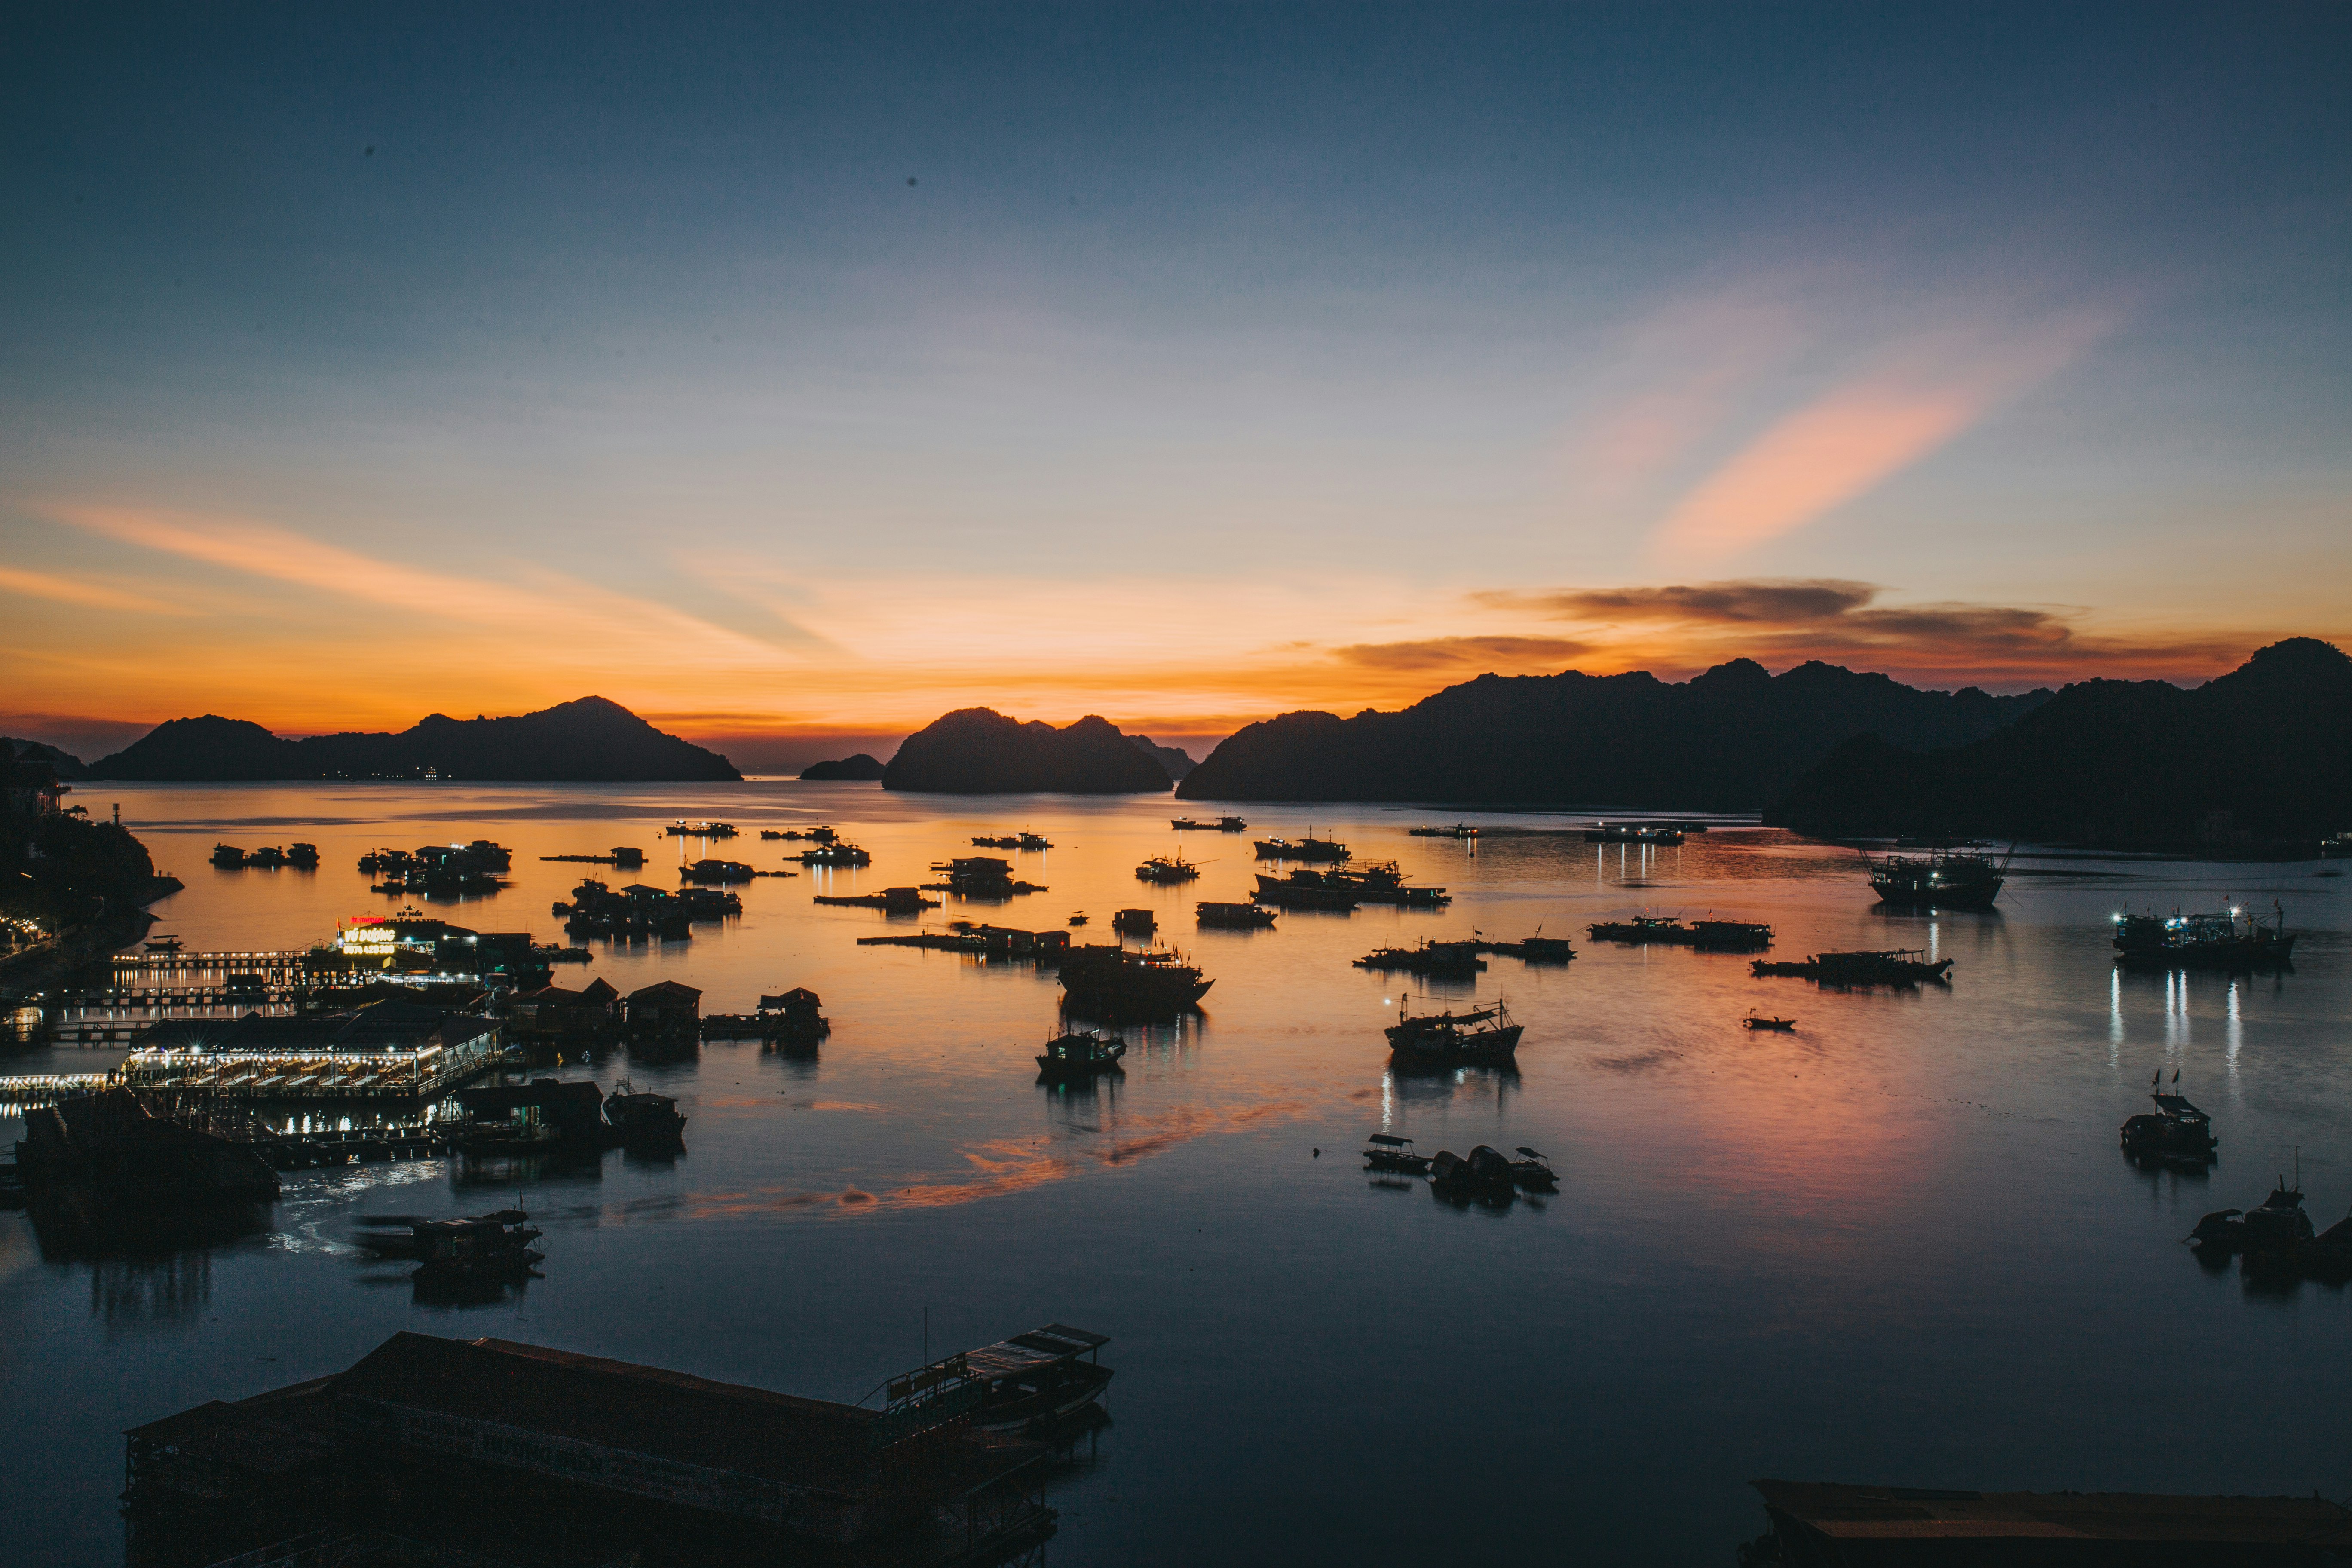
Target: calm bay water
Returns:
[[1898, 1246]]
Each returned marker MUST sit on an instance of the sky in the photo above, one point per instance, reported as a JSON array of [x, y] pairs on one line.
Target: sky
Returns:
[[793, 375]]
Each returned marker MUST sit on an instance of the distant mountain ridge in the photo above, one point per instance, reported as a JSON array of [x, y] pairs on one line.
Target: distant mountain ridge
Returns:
[[978, 750], [1732, 739], [66, 763], [588, 741], [2256, 758]]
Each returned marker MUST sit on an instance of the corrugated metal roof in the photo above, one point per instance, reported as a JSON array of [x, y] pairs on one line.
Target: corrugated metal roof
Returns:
[[1038, 1347]]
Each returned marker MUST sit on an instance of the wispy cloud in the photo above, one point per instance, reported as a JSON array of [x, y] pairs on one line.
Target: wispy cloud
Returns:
[[533, 603], [1853, 438], [1445, 653], [1759, 600], [74, 591], [1783, 621]]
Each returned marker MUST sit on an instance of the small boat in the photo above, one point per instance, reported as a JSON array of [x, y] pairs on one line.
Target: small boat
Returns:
[[682, 828], [1079, 919], [227, 856], [1031, 1380], [1787, 1026], [476, 1237], [1238, 917], [1167, 870], [2175, 1134], [646, 1121], [1306, 890], [1459, 830], [1134, 922], [1533, 1172], [835, 854], [163, 943], [1080, 1055], [1389, 1152], [2277, 1225], [1481, 1037]]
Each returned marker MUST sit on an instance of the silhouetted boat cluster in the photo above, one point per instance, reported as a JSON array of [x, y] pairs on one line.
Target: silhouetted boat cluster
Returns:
[[1485, 1173], [448, 869], [1662, 931], [301, 857], [980, 877], [1014, 841]]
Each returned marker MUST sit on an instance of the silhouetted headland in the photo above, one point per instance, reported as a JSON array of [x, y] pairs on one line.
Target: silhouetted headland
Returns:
[[2257, 762], [978, 750], [589, 740], [1731, 740], [862, 768]]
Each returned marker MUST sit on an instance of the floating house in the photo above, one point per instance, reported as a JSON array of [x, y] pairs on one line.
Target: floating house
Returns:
[[485, 1450]]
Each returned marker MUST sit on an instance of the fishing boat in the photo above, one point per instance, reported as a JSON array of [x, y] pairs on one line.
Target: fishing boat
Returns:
[[1079, 919], [1481, 1037], [838, 853], [1730, 936], [1441, 958], [1963, 877], [647, 1120], [1459, 830], [1380, 883], [1899, 967], [1306, 890], [1234, 917], [1309, 849], [1632, 832], [2176, 1133], [682, 828], [1080, 1055], [2233, 938], [1167, 870], [1223, 825], [1753, 1021], [1112, 983], [1642, 931], [1536, 949], [162, 942], [1391, 1153]]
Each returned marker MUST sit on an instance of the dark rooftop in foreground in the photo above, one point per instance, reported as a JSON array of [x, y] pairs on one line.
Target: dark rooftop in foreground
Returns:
[[1827, 1524]]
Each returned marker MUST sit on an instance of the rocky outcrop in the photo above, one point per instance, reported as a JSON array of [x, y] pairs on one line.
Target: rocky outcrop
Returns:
[[978, 750]]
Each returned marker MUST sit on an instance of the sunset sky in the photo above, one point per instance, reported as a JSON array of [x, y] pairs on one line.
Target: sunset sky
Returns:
[[791, 375]]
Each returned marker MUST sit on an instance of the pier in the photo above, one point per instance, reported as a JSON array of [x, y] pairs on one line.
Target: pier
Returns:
[[423, 1072]]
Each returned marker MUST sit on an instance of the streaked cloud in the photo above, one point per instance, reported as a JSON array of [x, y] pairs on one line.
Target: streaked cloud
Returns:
[[1760, 600], [79, 591], [1854, 436], [1453, 653]]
